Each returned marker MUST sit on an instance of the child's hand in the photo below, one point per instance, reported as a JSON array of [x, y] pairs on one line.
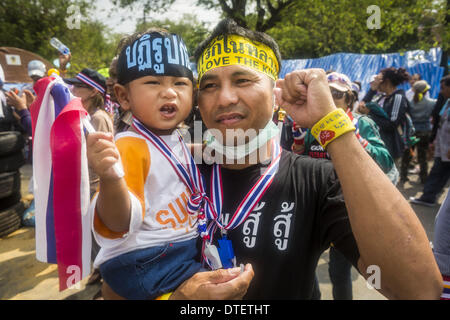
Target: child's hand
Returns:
[[102, 154]]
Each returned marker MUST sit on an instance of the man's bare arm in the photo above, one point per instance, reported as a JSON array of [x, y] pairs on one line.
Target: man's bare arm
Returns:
[[387, 231]]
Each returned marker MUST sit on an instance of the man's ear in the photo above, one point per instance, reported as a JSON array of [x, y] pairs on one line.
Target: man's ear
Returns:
[[121, 93]]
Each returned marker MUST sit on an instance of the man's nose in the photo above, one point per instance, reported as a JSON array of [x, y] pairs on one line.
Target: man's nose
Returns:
[[227, 96]]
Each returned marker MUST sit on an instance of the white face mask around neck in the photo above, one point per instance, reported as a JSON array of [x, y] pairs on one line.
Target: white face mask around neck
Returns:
[[241, 151]]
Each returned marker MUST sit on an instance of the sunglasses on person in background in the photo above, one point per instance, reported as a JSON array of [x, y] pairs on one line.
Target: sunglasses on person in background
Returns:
[[333, 77], [336, 94]]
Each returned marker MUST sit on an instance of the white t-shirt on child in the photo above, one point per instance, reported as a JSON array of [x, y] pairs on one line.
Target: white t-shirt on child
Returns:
[[158, 200]]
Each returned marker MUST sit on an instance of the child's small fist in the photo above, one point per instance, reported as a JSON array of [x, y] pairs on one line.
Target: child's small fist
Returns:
[[102, 154]]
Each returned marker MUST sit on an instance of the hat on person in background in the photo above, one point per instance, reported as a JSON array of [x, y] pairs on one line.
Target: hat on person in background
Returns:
[[91, 78], [36, 68], [339, 81], [95, 80], [52, 72]]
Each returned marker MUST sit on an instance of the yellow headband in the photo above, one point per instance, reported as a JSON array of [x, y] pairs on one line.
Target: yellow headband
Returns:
[[236, 50]]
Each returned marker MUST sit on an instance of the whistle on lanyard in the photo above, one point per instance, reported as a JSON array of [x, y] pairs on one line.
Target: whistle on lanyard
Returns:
[[226, 252]]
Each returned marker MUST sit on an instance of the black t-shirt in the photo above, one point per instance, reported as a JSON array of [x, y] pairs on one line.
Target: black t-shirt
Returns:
[[298, 217]]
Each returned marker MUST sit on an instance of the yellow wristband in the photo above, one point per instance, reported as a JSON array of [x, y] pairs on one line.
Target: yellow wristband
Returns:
[[331, 127], [165, 296]]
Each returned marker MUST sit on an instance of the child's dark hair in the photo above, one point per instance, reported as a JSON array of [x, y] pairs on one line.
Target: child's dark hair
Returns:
[[228, 27], [395, 76]]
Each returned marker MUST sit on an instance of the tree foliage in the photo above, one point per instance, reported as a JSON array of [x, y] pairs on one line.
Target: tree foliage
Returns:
[[310, 28], [259, 15], [29, 25], [146, 5], [189, 28], [302, 28]]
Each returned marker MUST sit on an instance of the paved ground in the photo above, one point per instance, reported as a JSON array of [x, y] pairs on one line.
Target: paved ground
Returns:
[[23, 277]]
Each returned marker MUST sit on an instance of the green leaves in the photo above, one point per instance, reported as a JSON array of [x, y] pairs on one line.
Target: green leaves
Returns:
[[311, 28], [316, 28], [302, 28], [30, 25], [189, 28]]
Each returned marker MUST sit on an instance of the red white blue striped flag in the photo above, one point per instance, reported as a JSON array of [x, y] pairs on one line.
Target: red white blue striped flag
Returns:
[[61, 181]]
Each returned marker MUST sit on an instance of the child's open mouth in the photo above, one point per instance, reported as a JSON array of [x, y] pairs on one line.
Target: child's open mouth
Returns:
[[168, 111]]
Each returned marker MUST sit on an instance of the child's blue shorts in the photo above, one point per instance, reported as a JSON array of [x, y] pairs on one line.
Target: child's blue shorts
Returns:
[[148, 273]]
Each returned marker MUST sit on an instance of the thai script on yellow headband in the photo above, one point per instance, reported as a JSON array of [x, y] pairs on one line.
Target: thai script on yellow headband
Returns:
[[236, 50]]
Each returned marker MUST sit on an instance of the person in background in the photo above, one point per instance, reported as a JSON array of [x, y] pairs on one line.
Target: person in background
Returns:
[[288, 130], [90, 86], [441, 244], [394, 106], [374, 96], [356, 90], [410, 92], [420, 110], [440, 172], [8, 122], [21, 103], [64, 60]]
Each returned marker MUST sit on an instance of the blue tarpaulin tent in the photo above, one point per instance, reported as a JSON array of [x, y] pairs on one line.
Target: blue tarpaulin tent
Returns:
[[359, 67]]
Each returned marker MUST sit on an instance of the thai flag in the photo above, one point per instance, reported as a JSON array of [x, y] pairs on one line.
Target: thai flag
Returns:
[[61, 181]]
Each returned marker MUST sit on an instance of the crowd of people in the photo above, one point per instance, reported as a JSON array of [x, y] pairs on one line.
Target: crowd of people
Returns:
[[175, 229]]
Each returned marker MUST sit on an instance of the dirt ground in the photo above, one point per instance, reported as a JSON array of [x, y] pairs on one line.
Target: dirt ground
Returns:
[[22, 277]]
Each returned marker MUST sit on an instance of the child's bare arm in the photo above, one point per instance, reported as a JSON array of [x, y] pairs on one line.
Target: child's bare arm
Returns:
[[113, 203]]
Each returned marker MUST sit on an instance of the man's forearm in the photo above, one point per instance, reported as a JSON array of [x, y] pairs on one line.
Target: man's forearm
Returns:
[[386, 229], [113, 205]]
